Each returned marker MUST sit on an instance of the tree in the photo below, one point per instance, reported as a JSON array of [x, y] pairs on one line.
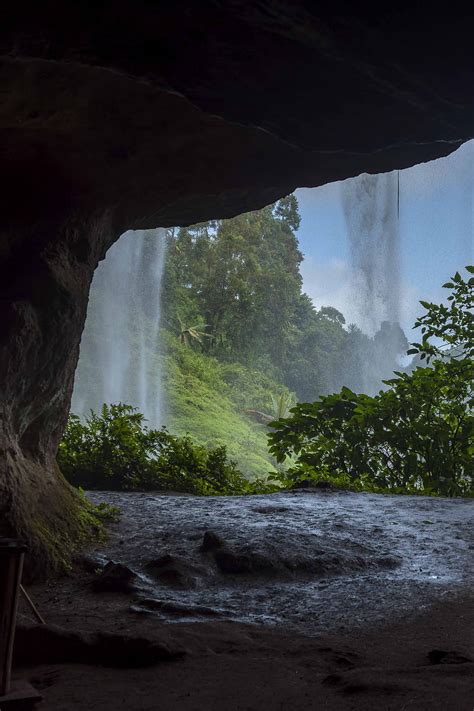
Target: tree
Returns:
[[332, 314], [192, 334], [287, 210], [242, 278], [282, 405]]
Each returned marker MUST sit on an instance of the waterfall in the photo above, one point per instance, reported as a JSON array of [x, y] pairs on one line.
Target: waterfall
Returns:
[[119, 360], [370, 204], [371, 210]]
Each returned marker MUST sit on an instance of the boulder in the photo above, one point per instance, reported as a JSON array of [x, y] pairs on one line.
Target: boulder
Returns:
[[211, 542], [174, 572], [115, 577], [242, 563]]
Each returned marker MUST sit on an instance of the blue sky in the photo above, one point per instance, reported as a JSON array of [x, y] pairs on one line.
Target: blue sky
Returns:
[[436, 235]]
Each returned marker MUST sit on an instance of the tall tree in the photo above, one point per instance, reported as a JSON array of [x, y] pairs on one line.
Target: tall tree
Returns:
[[242, 278]]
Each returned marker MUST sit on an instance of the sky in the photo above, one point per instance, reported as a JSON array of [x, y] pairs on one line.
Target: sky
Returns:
[[436, 233]]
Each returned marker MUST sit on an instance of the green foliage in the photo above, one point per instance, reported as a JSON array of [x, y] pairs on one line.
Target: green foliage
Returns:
[[209, 400], [305, 475], [190, 335], [84, 524], [417, 436], [241, 278], [282, 405], [453, 324], [103, 513], [287, 211], [115, 450], [239, 337]]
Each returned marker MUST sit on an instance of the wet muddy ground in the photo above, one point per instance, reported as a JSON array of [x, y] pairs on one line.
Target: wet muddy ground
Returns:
[[311, 561]]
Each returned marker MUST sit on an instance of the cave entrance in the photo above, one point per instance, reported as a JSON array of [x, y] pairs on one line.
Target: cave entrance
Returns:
[[312, 293], [214, 330]]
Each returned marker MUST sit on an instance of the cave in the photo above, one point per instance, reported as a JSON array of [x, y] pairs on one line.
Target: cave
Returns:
[[127, 116], [121, 116]]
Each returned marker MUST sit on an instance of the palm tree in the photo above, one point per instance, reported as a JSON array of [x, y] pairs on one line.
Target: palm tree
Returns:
[[192, 334], [282, 405]]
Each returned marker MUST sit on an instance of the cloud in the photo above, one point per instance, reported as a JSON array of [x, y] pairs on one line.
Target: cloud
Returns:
[[328, 284], [332, 283]]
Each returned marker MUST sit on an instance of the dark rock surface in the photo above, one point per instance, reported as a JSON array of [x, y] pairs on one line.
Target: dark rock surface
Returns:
[[42, 644], [174, 572], [308, 485], [234, 667], [89, 563], [211, 542], [310, 561], [115, 577], [243, 563], [400, 75], [108, 123], [441, 656], [181, 610]]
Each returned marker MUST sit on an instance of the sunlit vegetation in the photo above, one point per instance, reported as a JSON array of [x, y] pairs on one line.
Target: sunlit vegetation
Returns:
[[241, 342], [220, 404], [114, 449]]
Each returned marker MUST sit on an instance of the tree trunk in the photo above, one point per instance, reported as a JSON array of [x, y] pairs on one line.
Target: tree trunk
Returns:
[[45, 280]]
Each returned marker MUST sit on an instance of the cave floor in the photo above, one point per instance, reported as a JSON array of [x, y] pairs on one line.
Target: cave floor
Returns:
[[344, 599], [311, 561], [230, 666]]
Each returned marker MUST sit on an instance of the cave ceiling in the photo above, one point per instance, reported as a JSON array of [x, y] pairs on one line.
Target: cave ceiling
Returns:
[[173, 112]]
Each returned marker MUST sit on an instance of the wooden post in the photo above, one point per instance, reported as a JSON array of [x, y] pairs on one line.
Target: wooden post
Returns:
[[34, 609], [12, 552]]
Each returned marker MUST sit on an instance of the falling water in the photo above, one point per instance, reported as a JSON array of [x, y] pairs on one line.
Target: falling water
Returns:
[[371, 210], [370, 204], [119, 359]]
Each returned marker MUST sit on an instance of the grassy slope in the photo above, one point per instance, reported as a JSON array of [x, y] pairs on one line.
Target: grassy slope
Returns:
[[207, 400]]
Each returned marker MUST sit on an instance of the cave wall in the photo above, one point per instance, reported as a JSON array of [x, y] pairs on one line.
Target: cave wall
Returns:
[[43, 309], [136, 115]]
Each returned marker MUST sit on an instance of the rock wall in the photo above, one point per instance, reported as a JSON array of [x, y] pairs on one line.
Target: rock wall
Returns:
[[42, 311], [137, 115]]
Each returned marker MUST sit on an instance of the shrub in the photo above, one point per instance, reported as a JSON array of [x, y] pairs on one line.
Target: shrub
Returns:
[[116, 450], [417, 436]]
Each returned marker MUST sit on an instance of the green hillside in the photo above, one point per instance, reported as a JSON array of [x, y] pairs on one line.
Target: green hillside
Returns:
[[208, 400]]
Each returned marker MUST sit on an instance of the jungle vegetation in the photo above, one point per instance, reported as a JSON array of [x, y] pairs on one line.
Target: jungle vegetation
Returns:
[[415, 436], [232, 289], [242, 345]]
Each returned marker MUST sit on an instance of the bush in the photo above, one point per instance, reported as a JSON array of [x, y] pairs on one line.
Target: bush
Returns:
[[417, 436], [115, 450]]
